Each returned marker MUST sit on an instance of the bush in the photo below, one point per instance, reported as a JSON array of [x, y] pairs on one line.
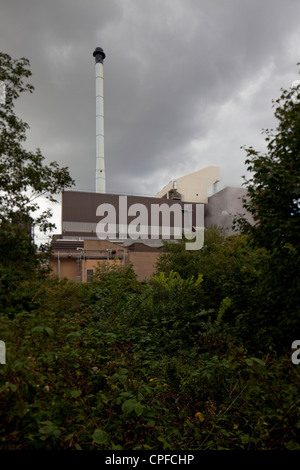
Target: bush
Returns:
[[151, 370]]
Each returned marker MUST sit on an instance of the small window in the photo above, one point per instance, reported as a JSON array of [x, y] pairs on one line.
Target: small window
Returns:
[[89, 275]]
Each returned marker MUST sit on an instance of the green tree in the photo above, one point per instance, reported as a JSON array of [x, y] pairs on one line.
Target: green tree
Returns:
[[230, 266], [23, 175], [187, 263], [23, 178], [273, 200], [274, 184]]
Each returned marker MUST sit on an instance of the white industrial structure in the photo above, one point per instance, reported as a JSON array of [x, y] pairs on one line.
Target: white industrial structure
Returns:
[[100, 164], [193, 187]]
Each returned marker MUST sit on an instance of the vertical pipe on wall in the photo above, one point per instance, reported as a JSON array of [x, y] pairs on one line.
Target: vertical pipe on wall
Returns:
[[58, 266]]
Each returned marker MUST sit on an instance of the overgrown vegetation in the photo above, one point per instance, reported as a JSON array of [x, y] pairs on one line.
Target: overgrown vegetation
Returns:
[[116, 364], [196, 358]]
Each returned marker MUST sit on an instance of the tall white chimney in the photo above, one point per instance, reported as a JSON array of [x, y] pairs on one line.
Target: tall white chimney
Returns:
[[100, 166]]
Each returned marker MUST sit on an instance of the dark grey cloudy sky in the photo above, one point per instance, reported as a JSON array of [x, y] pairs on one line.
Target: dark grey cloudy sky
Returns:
[[186, 83]]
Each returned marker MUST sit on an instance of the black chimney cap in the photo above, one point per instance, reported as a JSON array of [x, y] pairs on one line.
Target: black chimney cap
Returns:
[[99, 55]]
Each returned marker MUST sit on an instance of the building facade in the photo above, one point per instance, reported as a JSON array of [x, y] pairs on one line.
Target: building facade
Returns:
[[223, 206], [113, 229]]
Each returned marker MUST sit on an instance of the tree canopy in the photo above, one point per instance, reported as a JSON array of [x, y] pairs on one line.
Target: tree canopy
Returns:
[[23, 174], [273, 200], [274, 183]]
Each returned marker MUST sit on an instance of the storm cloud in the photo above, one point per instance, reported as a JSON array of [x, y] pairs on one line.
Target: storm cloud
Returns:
[[186, 83]]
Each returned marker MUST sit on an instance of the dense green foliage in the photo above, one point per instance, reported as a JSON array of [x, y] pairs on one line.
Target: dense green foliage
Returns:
[[23, 178], [273, 200], [119, 364], [197, 357], [234, 270], [23, 174], [273, 186]]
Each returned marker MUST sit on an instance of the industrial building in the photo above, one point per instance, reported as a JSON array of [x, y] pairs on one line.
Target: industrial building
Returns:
[[183, 203], [78, 249]]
